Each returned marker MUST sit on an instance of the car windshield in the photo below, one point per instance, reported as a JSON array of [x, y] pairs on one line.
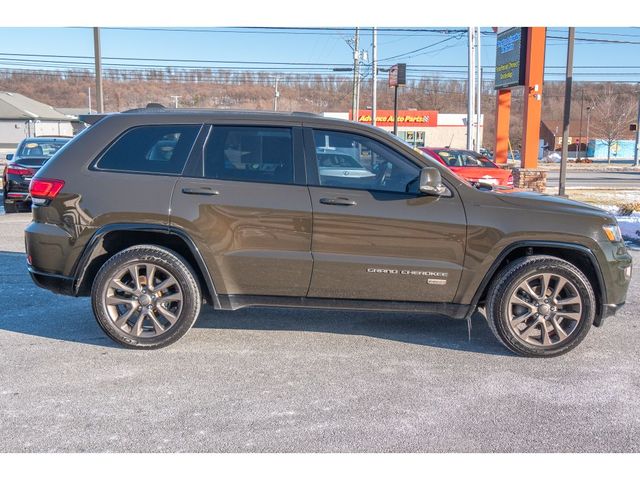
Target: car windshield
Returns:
[[40, 148], [464, 158]]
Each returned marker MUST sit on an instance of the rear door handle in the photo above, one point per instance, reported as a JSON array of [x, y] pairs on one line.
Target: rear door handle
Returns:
[[200, 191], [338, 201]]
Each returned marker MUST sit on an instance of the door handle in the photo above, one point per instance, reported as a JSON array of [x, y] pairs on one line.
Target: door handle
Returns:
[[338, 201], [200, 191]]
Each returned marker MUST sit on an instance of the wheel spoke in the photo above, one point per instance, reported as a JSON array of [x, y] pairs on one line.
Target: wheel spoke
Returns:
[[559, 286], [526, 333], [515, 300], [571, 315], [569, 301], [156, 323], [120, 301], [169, 282], [151, 273], [174, 297], [137, 327], [518, 320], [527, 288], [171, 318], [122, 319], [545, 334], [133, 271], [118, 285], [559, 330], [546, 277]]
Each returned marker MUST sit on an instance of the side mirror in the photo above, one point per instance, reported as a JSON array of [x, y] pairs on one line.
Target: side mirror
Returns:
[[9, 156], [431, 182]]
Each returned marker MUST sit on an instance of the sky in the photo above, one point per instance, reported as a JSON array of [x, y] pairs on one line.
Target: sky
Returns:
[[613, 52]]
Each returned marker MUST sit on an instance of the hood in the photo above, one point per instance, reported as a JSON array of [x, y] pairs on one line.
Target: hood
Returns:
[[540, 201]]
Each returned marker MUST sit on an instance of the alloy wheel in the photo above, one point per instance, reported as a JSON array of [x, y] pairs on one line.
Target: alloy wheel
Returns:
[[143, 300], [544, 309]]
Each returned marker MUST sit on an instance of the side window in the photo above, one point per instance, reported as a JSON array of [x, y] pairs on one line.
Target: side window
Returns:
[[249, 154], [151, 149], [352, 161]]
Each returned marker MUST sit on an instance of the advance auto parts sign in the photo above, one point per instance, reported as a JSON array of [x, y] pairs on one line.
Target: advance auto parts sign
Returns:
[[511, 52], [406, 118]]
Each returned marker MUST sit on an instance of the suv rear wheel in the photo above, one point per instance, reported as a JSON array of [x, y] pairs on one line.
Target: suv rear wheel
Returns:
[[146, 297], [540, 306]]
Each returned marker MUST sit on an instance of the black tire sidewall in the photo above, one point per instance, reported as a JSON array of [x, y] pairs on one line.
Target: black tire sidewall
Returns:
[[176, 266], [512, 276]]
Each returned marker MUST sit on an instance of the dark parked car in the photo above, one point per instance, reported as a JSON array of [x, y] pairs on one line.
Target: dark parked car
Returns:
[[30, 155], [153, 212]]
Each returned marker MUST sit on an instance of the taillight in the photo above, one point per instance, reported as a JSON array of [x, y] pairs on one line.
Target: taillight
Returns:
[[510, 180], [15, 170], [45, 188]]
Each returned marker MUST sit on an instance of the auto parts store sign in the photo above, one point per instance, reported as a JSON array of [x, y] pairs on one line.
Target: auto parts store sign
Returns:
[[406, 118]]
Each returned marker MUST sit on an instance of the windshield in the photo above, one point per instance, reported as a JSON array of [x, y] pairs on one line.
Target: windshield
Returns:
[[41, 148], [464, 158]]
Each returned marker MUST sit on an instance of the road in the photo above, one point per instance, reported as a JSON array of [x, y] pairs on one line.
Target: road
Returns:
[[619, 180], [276, 380]]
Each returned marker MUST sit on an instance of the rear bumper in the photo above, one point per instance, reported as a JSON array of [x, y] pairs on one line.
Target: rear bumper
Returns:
[[56, 283]]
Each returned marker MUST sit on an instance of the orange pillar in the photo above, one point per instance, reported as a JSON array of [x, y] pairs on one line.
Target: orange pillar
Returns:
[[534, 76], [503, 113]]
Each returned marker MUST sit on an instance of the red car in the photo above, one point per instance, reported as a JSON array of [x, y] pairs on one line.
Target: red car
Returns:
[[471, 166]]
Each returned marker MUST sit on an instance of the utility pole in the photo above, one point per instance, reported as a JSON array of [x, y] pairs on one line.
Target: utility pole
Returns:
[[580, 141], [588, 119], [374, 91], [276, 94], [479, 90], [175, 98], [356, 76], [98, 60], [470, 91], [567, 112], [635, 153]]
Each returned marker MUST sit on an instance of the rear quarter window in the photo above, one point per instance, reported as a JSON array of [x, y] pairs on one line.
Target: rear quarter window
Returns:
[[150, 149]]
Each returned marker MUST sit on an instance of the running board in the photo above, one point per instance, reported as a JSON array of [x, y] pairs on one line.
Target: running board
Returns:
[[236, 302]]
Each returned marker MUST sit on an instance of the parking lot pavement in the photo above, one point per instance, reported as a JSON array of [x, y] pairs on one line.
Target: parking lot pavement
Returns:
[[299, 380]]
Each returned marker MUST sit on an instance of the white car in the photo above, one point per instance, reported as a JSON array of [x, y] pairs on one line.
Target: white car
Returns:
[[335, 164]]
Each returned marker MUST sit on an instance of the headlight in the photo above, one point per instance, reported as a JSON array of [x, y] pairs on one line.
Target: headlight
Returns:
[[612, 232]]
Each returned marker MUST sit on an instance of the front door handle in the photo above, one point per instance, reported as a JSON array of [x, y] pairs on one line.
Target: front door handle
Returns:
[[200, 191], [338, 201]]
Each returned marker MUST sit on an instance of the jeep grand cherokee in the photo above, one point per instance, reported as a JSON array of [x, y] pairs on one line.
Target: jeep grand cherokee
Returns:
[[154, 212]]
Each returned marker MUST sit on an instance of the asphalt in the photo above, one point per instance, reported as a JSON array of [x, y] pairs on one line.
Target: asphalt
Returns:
[[275, 380]]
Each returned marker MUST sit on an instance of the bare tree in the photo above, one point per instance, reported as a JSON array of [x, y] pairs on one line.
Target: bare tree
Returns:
[[613, 112]]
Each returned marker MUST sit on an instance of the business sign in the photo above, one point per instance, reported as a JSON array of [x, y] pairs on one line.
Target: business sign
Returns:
[[511, 53], [406, 118], [398, 75]]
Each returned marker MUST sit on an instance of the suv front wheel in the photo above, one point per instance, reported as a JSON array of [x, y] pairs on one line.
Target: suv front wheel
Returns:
[[540, 306], [146, 297]]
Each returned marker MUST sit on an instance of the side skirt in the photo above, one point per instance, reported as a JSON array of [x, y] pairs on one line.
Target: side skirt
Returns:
[[236, 302]]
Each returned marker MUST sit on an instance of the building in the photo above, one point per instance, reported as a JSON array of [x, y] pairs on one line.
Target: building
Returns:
[[551, 135], [22, 117], [73, 114], [421, 128]]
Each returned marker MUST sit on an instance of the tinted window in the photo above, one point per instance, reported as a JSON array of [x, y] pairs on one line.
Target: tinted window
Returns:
[[464, 158], [252, 154], [352, 161], [152, 149]]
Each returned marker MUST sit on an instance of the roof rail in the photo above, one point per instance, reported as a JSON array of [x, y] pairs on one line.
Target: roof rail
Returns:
[[311, 114], [92, 118]]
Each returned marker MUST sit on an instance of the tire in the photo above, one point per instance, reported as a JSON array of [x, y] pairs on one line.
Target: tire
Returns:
[[167, 297], [528, 325], [10, 207]]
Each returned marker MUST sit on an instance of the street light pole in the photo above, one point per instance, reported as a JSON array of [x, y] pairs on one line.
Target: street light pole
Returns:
[[588, 119], [356, 76], [470, 91], [276, 94], [581, 110], [479, 90]]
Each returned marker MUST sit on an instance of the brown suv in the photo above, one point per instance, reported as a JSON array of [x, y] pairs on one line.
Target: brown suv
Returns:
[[154, 211]]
